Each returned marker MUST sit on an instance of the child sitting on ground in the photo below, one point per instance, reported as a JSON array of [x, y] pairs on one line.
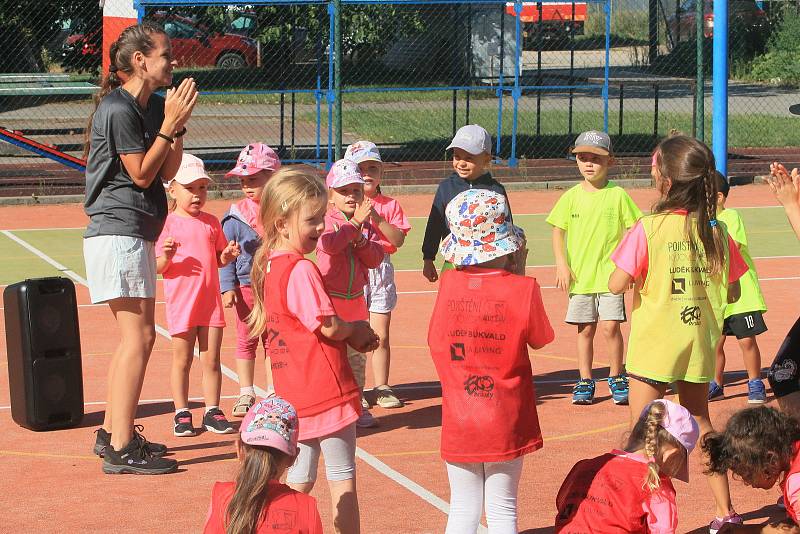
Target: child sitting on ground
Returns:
[[630, 490]]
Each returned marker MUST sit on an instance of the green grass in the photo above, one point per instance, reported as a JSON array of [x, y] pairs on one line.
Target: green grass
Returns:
[[768, 232], [410, 123], [348, 98]]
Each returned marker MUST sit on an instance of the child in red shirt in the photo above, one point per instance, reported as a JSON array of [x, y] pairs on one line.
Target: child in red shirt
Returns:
[[486, 315], [631, 490], [191, 247], [762, 447], [257, 502], [308, 339], [346, 251]]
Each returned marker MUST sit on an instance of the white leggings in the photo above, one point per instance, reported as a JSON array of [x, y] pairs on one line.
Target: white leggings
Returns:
[[338, 450], [471, 484]]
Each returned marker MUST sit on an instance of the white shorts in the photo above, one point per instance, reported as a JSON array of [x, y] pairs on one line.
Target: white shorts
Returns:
[[380, 292], [119, 266], [590, 308]]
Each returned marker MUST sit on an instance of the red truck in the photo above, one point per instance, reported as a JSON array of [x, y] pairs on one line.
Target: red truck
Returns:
[[558, 20]]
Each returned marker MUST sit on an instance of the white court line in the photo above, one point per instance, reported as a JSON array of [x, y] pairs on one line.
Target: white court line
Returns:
[[364, 455]]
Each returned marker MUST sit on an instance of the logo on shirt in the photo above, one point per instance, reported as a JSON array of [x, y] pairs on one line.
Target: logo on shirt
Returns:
[[690, 315], [678, 286], [457, 352], [276, 343], [479, 386]]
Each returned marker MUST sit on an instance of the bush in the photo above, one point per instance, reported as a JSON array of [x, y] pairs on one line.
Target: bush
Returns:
[[780, 65]]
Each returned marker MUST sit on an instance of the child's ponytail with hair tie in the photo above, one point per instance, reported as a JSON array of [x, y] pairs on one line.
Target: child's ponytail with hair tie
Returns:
[[652, 424]]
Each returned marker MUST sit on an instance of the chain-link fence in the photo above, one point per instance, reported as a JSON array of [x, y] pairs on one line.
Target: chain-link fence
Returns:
[[409, 73]]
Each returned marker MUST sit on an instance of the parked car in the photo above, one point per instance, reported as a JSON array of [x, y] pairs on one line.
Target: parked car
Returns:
[[192, 46], [681, 24], [195, 46]]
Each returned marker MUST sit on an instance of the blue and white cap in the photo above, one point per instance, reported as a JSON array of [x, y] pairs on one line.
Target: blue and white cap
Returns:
[[362, 151]]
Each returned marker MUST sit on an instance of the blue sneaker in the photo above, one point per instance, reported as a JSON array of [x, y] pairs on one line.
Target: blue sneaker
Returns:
[[756, 392], [619, 388], [715, 391], [583, 392]]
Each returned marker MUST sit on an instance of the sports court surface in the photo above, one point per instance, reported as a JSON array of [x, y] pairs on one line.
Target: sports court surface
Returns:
[[51, 482]]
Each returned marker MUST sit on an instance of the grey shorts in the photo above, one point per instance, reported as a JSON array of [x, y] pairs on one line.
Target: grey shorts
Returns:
[[338, 450], [380, 292], [119, 266], [594, 307]]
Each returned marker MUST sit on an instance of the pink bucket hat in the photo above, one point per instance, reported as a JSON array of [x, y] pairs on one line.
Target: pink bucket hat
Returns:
[[253, 158], [191, 170], [363, 151], [681, 426], [480, 229], [271, 422], [342, 173]]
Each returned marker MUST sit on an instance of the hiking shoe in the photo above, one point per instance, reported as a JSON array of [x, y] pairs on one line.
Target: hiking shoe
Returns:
[[385, 398], [756, 392], [183, 424], [715, 391], [718, 522], [619, 388], [242, 405], [135, 459], [103, 440], [583, 392], [366, 420], [364, 403], [214, 421]]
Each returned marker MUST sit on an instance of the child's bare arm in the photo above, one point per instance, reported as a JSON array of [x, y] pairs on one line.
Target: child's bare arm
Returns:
[[168, 249], [564, 275], [228, 254], [619, 281], [394, 235], [358, 334], [785, 188]]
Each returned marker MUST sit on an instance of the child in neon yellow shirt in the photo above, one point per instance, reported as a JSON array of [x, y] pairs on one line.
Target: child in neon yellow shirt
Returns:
[[591, 219], [744, 318]]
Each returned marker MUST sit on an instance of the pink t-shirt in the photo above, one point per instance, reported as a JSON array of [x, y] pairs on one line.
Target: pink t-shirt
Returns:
[[793, 491], [661, 509], [250, 210], [631, 255], [307, 299], [191, 280], [390, 210]]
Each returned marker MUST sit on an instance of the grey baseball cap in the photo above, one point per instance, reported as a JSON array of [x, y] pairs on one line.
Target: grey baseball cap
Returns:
[[472, 138], [594, 142]]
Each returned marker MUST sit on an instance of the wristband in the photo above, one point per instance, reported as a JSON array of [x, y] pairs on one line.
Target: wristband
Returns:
[[169, 139], [181, 133]]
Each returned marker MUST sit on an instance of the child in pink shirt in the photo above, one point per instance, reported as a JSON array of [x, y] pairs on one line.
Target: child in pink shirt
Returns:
[[391, 226], [192, 247], [346, 251]]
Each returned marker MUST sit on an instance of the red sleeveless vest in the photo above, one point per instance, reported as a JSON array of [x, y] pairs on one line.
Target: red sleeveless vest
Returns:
[[604, 495], [287, 511], [793, 468], [309, 370], [478, 341]]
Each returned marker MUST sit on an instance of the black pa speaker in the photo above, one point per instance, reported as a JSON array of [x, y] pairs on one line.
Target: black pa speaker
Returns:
[[44, 353]]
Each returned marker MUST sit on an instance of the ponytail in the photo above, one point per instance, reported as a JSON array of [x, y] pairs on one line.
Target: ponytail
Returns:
[[135, 38], [259, 466], [689, 165], [649, 434]]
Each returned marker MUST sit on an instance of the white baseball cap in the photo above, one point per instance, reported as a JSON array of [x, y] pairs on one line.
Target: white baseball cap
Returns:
[[362, 151], [191, 170], [473, 138]]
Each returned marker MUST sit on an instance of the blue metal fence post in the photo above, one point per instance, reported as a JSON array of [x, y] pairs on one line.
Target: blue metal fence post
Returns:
[[516, 93], [607, 11], [330, 93], [500, 79], [719, 128], [139, 7]]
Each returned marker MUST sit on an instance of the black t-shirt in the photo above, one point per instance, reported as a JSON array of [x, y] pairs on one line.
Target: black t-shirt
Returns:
[[114, 203]]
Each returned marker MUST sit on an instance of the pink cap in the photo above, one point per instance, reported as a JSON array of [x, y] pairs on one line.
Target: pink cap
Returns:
[[191, 170], [271, 422], [253, 158], [681, 426], [342, 173]]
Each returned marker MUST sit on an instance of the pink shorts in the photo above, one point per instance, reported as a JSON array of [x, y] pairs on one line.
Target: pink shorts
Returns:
[[245, 345]]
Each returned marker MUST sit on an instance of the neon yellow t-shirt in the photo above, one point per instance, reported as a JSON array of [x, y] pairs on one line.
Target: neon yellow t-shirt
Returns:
[[595, 223], [751, 299]]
